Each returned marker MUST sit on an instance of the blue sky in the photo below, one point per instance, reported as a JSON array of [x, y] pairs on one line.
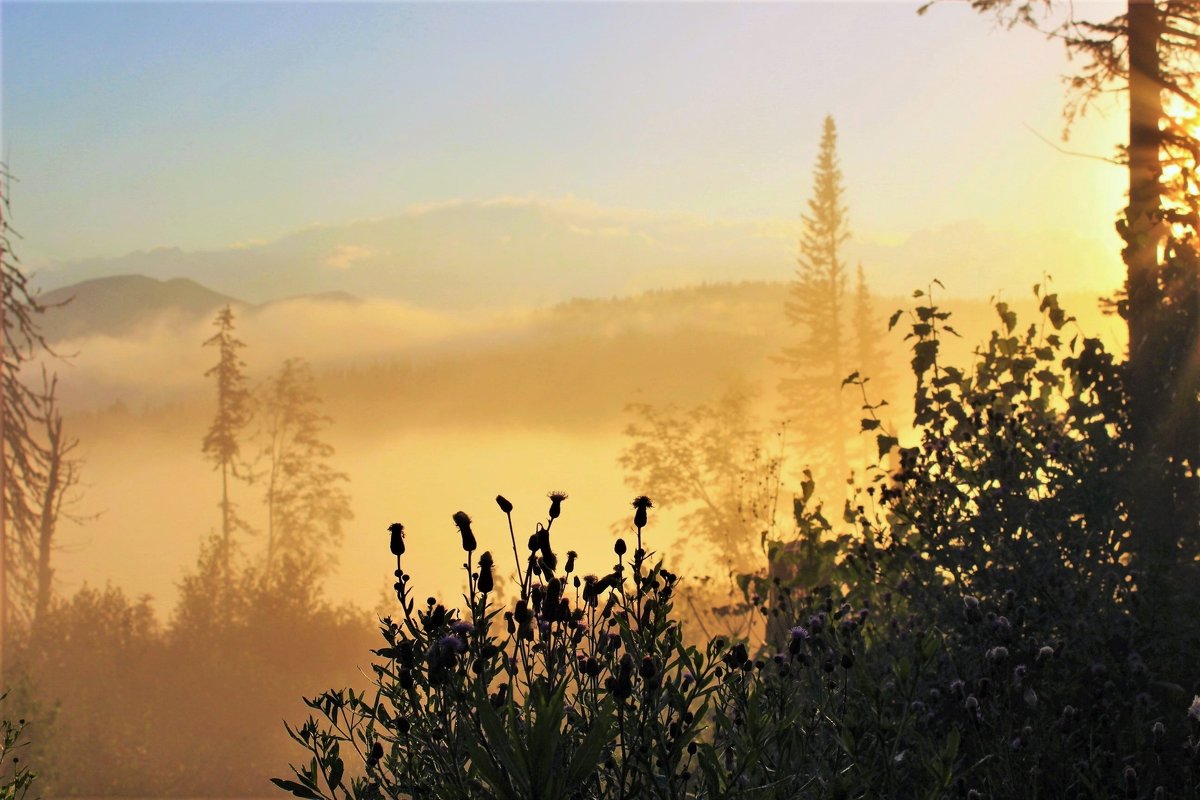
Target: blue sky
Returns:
[[133, 126]]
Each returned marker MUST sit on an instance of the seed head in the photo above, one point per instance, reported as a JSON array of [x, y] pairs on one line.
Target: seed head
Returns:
[[505, 506]]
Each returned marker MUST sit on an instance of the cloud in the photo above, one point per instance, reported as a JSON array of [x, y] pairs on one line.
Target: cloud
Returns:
[[345, 256]]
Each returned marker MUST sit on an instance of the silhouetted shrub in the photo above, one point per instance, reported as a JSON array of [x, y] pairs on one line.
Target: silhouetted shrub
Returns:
[[981, 634]]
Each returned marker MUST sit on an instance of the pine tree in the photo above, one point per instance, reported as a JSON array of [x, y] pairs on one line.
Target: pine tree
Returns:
[[817, 363], [221, 443], [307, 505]]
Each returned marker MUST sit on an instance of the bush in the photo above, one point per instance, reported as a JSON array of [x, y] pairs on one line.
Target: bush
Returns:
[[981, 635]]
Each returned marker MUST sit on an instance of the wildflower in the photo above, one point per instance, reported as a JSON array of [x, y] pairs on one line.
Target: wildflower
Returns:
[[1194, 709], [571, 556], [997, 654], [397, 544], [486, 582], [556, 499], [453, 644], [462, 628], [505, 506], [1046, 651], [640, 504], [464, 527]]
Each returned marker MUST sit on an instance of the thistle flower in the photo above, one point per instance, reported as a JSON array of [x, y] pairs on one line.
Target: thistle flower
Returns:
[[486, 582], [464, 527], [397, 543], [571, 556], [505, 506], [453, 644], [556, 499], [640, 504], [1194, 709]]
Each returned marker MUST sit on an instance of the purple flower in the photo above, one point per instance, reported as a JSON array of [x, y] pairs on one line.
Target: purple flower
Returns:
[[452, 644]]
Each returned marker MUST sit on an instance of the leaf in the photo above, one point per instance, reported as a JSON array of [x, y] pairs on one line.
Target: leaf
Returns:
[[886, 443], [893, 319], [588, 754], [870, 424], [298, 789], [924, 356], [851, 378]]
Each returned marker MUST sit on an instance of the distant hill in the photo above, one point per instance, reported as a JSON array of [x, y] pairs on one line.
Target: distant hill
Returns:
[[526, 252], [121, 305]]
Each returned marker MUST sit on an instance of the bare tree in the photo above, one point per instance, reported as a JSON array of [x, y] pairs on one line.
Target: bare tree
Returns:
[[62, 474]]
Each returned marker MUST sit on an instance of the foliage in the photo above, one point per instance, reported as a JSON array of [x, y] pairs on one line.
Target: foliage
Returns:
[[128, 706], [977, 639], [15, 777], [712, 462], [306, 504]]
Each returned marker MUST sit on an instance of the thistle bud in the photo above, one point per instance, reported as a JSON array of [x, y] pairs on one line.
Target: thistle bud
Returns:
[[397, 544], [464, 527], [640, 505], [619, 548], [505, 506], [486, 583], [556, 499]]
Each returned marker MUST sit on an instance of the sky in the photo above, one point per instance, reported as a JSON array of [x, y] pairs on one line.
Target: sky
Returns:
[[204, 126]]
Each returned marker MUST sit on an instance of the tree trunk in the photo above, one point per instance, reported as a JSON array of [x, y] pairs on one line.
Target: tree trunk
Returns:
[[1151, 503]]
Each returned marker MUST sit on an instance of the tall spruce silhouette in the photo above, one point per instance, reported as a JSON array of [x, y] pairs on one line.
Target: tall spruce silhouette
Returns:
[[817, 362], [221, 443]]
